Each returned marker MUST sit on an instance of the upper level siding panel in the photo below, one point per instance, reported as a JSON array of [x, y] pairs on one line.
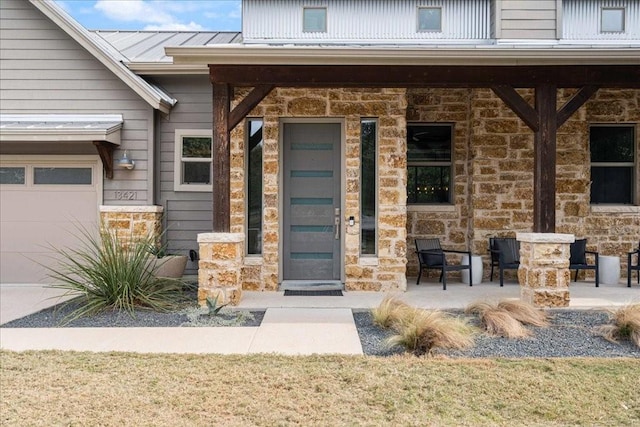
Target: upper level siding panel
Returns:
[[45, 71], [527, 19], [380, 21], [581, 20]]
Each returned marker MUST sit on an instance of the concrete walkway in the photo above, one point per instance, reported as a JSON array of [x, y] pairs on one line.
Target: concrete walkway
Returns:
[[291, 325]]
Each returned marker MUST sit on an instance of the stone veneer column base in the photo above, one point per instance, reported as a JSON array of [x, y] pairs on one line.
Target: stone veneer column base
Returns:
[[220, 267], [132, 222], [544, 268]]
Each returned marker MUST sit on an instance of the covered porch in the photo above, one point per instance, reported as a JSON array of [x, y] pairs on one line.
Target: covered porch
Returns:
[[268, 85]]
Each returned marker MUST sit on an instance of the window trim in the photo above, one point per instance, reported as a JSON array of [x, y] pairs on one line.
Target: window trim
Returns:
[[326, 18], [178, 160], [624, 20], [635, 188], [418, 29], [450, 164]]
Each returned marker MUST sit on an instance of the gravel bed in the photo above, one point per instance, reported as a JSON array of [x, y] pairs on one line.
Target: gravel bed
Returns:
[[187, 316], [571, 334]]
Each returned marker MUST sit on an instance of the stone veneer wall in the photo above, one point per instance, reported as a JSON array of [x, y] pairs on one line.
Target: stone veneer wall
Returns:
[[131, 222], [387, 271], [493, 173]]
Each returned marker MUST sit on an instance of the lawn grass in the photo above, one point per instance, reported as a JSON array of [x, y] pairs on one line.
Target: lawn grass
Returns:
[[118, 389]]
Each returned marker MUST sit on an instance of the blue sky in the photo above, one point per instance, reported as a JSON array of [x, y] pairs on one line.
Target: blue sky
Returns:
[[195, 15]]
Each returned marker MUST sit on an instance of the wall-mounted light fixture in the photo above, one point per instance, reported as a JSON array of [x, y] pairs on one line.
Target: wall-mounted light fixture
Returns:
[[125, 162]]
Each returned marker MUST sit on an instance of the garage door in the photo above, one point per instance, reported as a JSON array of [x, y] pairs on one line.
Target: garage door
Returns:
[[42, 204]]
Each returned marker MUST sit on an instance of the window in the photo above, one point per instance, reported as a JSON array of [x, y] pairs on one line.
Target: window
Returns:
[[62, 176], [254, 146], [612, 163], [429, 19], [612, 20], [368, 186], [12, 175], [193, 162], [314, 20], [429, 163]]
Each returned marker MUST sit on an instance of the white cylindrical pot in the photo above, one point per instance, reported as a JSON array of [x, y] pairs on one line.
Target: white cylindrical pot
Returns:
[[476, 266], [609, 269]]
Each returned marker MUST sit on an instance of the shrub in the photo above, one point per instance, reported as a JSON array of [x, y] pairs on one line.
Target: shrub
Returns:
[[625, 325], [421, 331], [112, 273], [506, 318]]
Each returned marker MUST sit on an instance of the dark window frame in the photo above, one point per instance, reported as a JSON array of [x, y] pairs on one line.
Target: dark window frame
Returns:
[[254, 187], [598, 168], [446, 193], [369, 174]]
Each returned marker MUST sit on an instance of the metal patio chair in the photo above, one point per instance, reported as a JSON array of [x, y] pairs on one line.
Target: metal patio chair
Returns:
[[505, 254], [432, 256], [633, 267], [578, 259]]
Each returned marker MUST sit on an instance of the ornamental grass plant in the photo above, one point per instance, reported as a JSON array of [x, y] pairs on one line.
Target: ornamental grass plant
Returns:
[[421, 331], [389, 312], [109, 272], [507, 318], [625, 325]]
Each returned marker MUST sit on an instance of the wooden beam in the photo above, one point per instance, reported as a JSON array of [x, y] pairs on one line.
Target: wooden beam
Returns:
[[544, 174], [249, 102], [105, 151], [221, 152], [614, 76], [519, 106], [575, 102]]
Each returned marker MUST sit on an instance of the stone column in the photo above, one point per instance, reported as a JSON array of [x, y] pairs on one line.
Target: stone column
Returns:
[[132, 222], [220, 267], [544, 268]]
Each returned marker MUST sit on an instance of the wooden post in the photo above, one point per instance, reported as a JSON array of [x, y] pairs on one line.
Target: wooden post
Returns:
[[221, 152], [544, 175]]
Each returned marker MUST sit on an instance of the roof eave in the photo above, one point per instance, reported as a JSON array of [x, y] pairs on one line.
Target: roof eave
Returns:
[[296, 55], [166, 68]]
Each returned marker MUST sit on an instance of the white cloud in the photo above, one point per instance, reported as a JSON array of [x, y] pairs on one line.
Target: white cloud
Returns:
[[191, 26], [135, 11]]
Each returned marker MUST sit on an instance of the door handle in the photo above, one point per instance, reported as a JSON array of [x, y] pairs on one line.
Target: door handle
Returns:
[[336, 222]]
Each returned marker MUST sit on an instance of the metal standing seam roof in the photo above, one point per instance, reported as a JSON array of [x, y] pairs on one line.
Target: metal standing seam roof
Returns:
[[68, 127], [149, 46]]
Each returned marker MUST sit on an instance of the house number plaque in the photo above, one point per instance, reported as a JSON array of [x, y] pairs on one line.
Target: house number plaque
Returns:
[[126, 195]]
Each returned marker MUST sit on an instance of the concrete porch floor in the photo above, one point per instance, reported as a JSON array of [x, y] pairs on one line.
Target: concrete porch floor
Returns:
[[17, 301]]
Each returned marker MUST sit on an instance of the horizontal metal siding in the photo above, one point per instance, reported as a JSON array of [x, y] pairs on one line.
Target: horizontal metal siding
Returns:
[[582, 19], [365, 21], [44, 71], [187, 213]]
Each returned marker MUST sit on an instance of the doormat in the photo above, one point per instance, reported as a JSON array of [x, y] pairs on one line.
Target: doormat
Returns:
[[318, 293]]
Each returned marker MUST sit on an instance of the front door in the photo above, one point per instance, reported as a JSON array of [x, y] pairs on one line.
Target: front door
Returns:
[[312, 201]]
